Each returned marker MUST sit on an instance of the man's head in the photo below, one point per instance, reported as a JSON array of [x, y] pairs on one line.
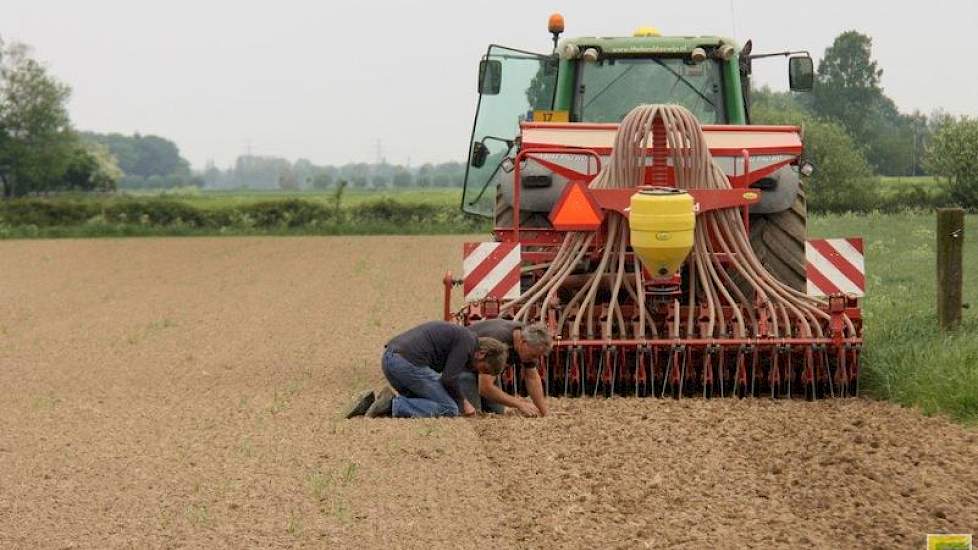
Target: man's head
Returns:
[[533, 342], [490, 356]]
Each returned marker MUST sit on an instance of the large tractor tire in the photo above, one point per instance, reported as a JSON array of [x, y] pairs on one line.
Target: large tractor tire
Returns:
[[503, 216], [778, 239]]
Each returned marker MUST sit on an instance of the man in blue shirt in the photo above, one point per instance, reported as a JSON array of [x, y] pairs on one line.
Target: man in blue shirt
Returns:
[[434, 367]]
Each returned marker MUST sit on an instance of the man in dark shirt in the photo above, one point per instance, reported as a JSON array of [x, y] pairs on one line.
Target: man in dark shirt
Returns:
[[526, 346], [433, 367]]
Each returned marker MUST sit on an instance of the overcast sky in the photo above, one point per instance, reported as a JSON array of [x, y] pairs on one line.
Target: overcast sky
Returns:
[[327, 80]]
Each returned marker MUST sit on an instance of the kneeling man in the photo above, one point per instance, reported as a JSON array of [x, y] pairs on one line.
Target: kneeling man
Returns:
[[527, 345], [434, 368]]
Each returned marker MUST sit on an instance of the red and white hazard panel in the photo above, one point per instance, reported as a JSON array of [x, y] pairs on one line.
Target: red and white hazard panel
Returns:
[[491, 270], [834, 266]]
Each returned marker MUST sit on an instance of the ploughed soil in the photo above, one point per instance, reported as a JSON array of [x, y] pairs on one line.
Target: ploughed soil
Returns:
[[185, 393]]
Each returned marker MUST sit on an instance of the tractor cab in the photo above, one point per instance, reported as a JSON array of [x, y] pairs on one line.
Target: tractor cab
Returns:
[[599, 80]]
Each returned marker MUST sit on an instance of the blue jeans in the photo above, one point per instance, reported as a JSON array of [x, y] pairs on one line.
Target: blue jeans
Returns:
[[421, 392]]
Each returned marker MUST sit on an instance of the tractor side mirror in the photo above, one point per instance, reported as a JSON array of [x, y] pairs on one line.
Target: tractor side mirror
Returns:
[[490, 76], [801, 73], [479, 154]]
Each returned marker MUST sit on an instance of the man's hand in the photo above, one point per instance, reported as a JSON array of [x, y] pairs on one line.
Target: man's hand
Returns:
[[467, 408], [534, 387], [488, 390], [527, 409]]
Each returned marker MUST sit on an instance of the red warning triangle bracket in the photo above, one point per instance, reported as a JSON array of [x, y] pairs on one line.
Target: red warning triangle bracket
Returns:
[[576, 209]]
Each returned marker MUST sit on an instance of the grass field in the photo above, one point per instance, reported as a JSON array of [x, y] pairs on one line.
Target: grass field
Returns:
[[219, 199], [907, 358], [185, 393]]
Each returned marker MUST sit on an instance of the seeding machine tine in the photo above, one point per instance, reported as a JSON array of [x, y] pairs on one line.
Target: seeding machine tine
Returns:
[[774, 373], [791, 374], [640, 375], [678, 370], [721, 372]]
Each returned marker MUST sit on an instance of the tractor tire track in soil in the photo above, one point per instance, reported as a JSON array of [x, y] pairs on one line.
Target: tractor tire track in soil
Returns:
[[184, 393]]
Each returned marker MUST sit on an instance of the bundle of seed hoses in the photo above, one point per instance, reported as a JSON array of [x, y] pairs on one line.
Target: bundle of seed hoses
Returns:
[[789, 312]]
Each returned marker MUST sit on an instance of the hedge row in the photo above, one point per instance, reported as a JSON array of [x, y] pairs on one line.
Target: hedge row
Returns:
[[169, 216], [911, 198], [281, 214]]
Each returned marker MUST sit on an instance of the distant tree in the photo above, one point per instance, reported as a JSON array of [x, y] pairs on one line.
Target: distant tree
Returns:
[[382, 174], [848, 92], [331, 171], [304, 170], [894, 142], [322, 180], [848, 88], [287, 180], [768, 100], [108, 172], [359, 174], [159, 156], [258, 172], [36, 140], [448, 174], [440, 179], [143, 156], [80, 171], [843, 179], [402, 178], [424, 175], [953, 155], [155, 182], [212, 176], [91, 168], [937, 119]]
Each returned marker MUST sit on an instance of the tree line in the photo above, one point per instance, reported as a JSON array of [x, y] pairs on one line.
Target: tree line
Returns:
[[266, 172], [146, 161], [40, 152], [854, 132]]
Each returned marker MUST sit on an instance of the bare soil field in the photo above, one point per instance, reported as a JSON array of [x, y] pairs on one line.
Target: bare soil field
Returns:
[[184, 393]]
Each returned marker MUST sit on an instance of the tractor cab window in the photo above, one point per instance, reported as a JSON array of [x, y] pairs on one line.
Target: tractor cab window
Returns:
[[608, 89], [511, 84]]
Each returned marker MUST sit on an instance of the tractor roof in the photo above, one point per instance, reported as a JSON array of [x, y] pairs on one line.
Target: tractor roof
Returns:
[[626, 45]]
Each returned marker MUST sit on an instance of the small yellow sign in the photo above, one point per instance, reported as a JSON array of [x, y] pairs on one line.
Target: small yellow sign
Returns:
[[949, 542], [551, 116], [750, 195]]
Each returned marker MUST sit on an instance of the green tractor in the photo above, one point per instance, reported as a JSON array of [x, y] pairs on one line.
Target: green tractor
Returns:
[[598, 80]]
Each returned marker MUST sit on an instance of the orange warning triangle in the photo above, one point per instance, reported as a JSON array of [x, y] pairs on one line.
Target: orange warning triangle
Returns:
[[576, 210]]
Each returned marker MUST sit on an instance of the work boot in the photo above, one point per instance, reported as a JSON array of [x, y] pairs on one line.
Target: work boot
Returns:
[[359, 405], [382, 404]]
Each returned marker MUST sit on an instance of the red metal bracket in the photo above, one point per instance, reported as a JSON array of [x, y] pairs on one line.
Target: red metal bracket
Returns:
[[706, 199]]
